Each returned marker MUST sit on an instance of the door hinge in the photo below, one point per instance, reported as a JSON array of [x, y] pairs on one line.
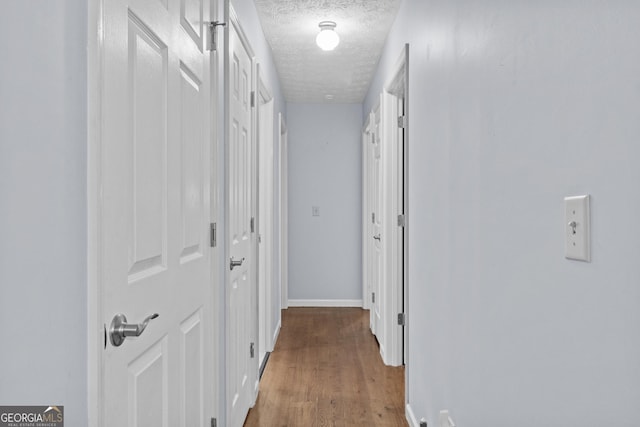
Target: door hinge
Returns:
[[213, 236], [252, 224], [253, 98], [214, 422], [213, 35], [402, 221], [373, 217], [402, 122], [252, 350], [373, 297], [401, 319], [423, 424]]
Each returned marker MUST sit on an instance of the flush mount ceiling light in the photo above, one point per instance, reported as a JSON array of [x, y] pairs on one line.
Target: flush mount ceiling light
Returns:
[[327, 39]]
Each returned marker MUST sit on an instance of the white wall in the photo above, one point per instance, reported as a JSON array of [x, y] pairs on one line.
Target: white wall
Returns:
[[514, 105], [43, 205], [325, 170]]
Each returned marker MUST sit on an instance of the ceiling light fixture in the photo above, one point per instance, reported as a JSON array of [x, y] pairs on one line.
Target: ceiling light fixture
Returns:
[[327, 39]]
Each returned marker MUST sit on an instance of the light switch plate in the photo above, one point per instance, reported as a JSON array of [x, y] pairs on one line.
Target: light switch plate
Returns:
[[577, 228], [445, 419], [315, 210]]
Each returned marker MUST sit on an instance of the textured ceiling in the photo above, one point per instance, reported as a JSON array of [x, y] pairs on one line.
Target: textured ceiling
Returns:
[[309, 74]]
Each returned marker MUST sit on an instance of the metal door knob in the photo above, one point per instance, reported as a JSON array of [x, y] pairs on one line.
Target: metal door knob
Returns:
[[235, 263], [377, 237], [120, 329]]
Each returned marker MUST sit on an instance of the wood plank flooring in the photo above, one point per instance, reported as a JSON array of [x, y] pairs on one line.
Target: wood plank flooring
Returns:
[[326, 370]]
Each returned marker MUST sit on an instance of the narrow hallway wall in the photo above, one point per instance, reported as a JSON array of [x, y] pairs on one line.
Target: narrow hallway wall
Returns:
[[325, 171], [514, 106]]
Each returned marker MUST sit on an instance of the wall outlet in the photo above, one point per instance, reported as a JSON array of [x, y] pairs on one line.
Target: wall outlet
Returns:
[[446, 420]]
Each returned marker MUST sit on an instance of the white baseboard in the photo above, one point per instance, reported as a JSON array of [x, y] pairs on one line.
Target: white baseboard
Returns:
[[325, 303], [411, 418]]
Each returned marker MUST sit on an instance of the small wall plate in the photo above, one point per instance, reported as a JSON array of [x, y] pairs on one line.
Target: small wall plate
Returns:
[[577, 228]]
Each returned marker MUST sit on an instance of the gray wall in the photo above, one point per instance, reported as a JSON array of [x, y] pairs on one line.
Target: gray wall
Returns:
[[513, 106], [325, 153], [43, 205]]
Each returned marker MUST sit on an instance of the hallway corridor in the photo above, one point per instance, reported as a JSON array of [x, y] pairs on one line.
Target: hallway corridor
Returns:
[[326, 370]]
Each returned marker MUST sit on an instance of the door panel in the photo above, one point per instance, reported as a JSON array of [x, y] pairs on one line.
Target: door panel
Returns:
[[154, 215], [192, 191], [147, 143], [240, 279], [192, 370], [148, 386], [191, 18]]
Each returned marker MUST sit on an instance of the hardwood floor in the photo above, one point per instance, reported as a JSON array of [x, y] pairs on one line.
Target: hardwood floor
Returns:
[[326, 370]]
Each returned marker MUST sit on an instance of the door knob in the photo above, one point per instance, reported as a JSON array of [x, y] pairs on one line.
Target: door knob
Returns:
[[235, 263], [120, 329], [377, 237]]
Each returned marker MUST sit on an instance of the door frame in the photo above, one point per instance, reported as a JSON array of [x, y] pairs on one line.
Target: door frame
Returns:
[[283, 178], [94, 239], [392, 285], [265, 217], [97, 329], [391, 335], [366, 214], [396, 92]]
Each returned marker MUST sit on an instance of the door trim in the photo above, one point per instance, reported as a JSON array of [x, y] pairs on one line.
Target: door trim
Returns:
[[391, 231], [283, 148], [265, 182], [398, 88], [366, 215], [94, 160]]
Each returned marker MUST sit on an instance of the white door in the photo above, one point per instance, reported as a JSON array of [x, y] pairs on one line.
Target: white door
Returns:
[[377, 261], [241, 318], [154, 211]]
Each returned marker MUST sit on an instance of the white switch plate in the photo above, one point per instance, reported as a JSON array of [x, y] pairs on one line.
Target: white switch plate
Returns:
[[577, 228], [445, 419], [315, 210]]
